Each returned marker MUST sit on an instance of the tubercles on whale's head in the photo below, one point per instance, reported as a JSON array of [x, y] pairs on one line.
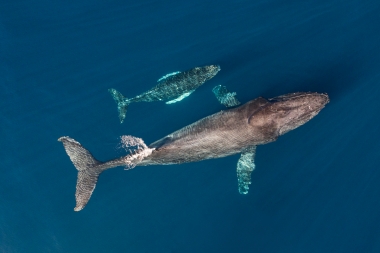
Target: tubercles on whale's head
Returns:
[[295, 109], [287, 112]]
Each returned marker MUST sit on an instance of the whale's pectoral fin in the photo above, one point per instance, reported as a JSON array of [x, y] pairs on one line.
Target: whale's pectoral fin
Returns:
[[245, 166], [184, 95], [168, 75], [225, 97]]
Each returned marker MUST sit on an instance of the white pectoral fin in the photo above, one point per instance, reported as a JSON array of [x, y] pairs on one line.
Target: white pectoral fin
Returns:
[[166, 76], [184, 95], [245, 166]]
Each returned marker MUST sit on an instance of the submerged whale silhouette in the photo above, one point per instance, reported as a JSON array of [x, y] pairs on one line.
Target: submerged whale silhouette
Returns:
[[170, 88], [237, 130]]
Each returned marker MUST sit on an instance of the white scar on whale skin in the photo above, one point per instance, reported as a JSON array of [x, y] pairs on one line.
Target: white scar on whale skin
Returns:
[[141, 150]]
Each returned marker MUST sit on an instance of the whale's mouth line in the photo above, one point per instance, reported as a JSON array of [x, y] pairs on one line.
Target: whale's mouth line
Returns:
[[288, 97], [304, 118], [296, 95]]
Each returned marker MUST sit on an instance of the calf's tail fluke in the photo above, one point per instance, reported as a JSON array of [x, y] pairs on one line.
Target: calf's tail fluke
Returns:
[[122, 103], [88, 170]]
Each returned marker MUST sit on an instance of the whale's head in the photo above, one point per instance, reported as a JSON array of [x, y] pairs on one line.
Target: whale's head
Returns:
[[207, 72], [287, 112]]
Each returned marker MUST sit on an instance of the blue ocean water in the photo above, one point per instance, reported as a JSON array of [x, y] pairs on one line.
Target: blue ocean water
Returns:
[[316, 189]]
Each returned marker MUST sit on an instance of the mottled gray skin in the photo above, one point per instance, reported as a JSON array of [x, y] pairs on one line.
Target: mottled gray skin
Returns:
[[229, 132], [225, 97], [176, 85], [257, 122], [169, 88]]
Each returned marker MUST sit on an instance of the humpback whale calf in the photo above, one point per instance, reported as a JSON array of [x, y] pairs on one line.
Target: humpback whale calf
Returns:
[[229, 132], [171, 88]]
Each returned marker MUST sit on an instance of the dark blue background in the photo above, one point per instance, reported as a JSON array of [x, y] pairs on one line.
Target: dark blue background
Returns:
[[317, 189]]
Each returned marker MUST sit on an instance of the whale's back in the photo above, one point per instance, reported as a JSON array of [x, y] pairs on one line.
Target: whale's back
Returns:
[[221, 134]]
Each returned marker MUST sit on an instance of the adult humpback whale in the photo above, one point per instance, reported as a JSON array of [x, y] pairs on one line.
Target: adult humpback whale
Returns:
[[238, 130], [170, 88]]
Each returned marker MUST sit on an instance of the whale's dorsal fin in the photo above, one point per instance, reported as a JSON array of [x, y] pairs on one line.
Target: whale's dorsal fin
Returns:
[[245, 166]]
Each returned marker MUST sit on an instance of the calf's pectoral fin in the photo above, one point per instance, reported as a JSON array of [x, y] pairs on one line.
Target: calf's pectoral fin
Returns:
[[245, 166], [184, 95]]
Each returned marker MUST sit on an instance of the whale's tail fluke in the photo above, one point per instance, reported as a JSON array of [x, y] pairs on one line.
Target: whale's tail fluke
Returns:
[[88, 170], [122, 103]]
